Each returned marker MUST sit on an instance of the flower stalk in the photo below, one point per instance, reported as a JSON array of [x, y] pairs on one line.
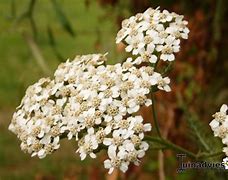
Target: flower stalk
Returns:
[[169, 145], [155, 116]]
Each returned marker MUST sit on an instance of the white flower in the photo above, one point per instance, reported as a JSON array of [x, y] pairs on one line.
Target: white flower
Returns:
[[138, 127], [49, 148], [89, 145], [163, 83], [136, 44], [116, 140], [220, 118], [171, 45], [130, 153], [116, 161], [153, 30], [146, 57]]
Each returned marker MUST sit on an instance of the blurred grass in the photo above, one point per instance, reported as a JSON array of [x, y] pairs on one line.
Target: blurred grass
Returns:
[[94, 34], [14, 164]]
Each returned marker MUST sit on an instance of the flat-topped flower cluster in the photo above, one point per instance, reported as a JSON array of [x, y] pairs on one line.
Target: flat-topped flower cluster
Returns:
[[153, 35], [94, 103]]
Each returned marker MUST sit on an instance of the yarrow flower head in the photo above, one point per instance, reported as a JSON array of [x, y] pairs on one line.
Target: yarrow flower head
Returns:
[[94, 103], [153, 35]]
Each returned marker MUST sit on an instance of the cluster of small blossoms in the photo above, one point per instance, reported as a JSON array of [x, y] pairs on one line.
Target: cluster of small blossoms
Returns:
[[153, 35], [220, 126], [37, 121], [92, 103]]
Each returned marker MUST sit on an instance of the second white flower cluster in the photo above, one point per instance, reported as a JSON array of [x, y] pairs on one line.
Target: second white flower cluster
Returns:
[[153, 35], [220, 126]]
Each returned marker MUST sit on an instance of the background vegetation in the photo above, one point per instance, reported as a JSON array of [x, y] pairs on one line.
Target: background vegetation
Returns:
[[36, 35]]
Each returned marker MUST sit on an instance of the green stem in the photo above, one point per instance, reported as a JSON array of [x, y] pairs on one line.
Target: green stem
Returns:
[[155, 115], [155, 65], [209, 155], [167, 69], [170, 145]]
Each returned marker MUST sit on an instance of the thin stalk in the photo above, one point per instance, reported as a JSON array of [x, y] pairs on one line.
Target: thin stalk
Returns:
[[172, 146], [168, 144], [209, 155], [155, 115], [36, 52], [167, 69]]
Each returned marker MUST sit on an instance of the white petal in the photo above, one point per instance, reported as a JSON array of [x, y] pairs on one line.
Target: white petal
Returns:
[[112, 151], [148, 102], [92, 155], [110, 170], [171, 57], [141, 153], [153, 59], [107, 164], [124, 167], [164, 57], [214, 124], [147, 127], [107, 141], [83, 156], [107, 130], [167, 88], [41, 153], [128, 48], [144, 146], [223, 108]]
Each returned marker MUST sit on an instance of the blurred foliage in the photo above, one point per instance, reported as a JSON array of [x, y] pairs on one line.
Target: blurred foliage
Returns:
[[49, 26], [36, 35]]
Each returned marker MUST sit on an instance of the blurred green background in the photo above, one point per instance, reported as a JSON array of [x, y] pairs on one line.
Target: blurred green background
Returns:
[[37, 35]]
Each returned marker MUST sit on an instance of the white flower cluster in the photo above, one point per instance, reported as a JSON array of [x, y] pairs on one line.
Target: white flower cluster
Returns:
[[153, 34], [220, 126], [94, 103]]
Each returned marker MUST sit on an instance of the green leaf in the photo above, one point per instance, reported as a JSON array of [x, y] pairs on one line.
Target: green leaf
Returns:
[[52, 43], [51, 37], [62, 18]]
